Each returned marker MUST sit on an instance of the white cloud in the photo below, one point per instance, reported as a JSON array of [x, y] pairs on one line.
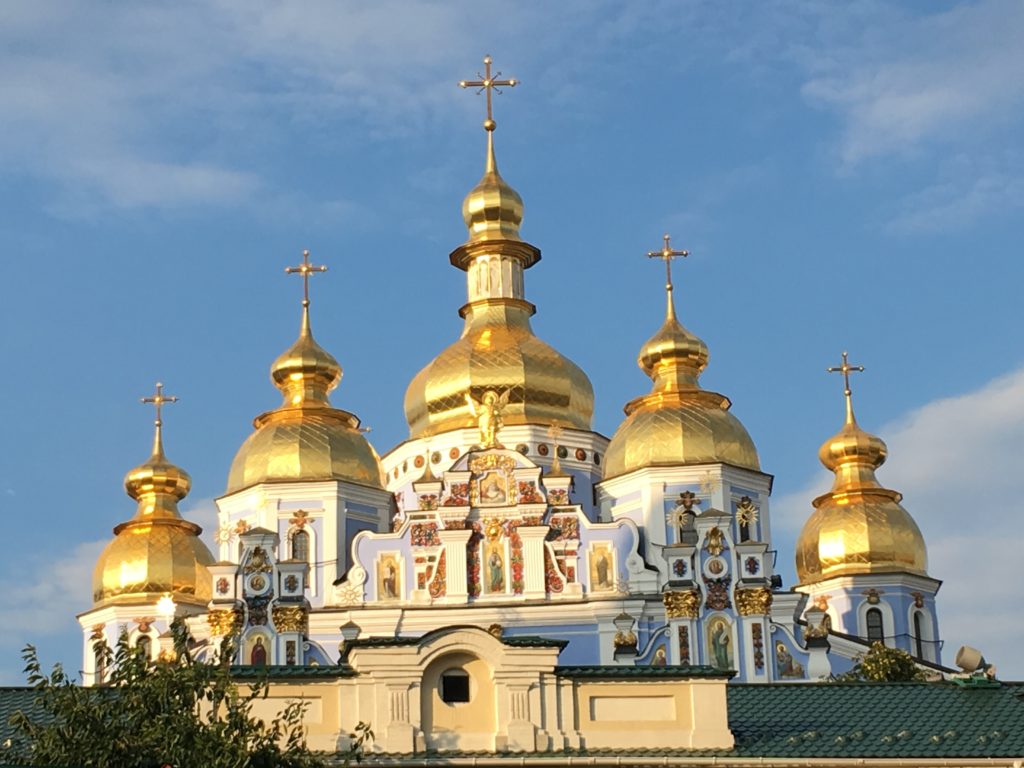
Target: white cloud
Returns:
[[39, 602], [917, 80], [956, 205], [957, 461]]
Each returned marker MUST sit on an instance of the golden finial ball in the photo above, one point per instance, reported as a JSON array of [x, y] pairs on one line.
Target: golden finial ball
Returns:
[[489, 125]]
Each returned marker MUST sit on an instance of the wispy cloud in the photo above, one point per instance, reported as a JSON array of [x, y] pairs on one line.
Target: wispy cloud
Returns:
[[38, 604], [956, 462], [957, 205], [925, 79]]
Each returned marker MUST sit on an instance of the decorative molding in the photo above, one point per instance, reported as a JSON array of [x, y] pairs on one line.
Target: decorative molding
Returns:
[[682, 605], [753, 602]]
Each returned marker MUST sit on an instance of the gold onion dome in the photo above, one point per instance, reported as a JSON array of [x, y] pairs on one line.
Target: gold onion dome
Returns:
[[858, 527], [497, 349], [305, 438], [677, 422], [156, 552]]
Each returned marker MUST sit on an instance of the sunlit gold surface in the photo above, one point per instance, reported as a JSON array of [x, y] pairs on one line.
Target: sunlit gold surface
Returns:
[[677, 422], [305, 438], [498, 351], [156, 552], [492, 210], [858, 527]]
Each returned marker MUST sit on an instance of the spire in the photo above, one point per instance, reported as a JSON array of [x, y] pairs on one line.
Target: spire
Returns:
[[846, 369], [673, 357], [305, 373], [157, 400], [492, 210], [157, 484], [852, 453]]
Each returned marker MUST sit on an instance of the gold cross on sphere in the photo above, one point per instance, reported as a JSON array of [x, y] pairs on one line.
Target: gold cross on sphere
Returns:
[[158, 399], [487, 83], [305, 269], [667, 254], [846, 369]]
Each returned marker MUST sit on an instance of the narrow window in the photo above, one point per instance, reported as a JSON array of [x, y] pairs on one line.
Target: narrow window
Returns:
[[874, 624], [99, 662], [300, 546], [455, 686], [918, 639]]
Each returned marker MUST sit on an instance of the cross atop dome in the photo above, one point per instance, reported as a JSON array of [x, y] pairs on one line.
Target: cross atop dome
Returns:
[[846, 369], [666, 254], [306, 270], [489, 82], [157, 400]]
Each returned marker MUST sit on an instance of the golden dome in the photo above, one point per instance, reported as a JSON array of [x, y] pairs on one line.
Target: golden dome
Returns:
[[492, 210], [497, 349], [677, 422], [156, 552], [305, 438], [858, 527]]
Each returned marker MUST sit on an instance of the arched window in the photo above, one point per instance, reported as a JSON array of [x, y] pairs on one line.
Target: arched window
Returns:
[[300, 545], [918, 636], [145, 644], [873, 620]]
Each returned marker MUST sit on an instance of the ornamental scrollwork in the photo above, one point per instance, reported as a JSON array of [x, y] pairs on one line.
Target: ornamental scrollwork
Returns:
[[290, 618], [682, 605], [753, 602], [223, 621]]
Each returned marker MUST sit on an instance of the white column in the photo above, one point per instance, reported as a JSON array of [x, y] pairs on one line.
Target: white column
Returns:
[[533, 559], [454, 542]]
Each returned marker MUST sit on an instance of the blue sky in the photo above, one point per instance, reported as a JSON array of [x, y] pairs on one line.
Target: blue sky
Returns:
[[846, 176]]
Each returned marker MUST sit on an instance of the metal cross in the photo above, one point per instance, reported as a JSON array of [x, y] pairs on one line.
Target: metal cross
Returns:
[[305, 269], [846, 369], [488, 83], [158, 401], [667, 254]]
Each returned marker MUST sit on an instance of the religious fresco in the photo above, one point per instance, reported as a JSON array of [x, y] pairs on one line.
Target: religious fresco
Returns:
[[720, 651], [602, 567], [389, 577], [494, 568], [785, 665]]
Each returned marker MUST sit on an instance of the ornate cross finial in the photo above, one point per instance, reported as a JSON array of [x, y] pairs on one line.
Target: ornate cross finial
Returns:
[[666, 254], [488, 82], [158, 399], [846, 369], [305, 269]]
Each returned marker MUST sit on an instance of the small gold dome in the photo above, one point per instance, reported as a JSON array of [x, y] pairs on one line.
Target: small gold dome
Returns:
[[677, 422], [498, 351], [492, 210], [156, 552], [305, 438], [858, 527]]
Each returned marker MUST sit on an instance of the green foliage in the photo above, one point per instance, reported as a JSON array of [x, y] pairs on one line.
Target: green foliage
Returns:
[[174, 712], [882, 664]]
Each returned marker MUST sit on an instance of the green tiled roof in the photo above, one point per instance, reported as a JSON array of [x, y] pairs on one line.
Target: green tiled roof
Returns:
[[293, 672], [609, 672], [876, 720]]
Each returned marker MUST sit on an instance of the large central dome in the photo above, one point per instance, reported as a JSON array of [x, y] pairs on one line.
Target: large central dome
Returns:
[[497, 349]]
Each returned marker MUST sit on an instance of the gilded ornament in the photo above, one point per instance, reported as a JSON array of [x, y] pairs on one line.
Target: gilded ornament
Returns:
[[753, 602], [624, 640], [746, 512], [223, 621], [290, 618], [258, 562], [300, 519], [487, 412], [682, 605], [492, 529], [496, 630], [715, 541]]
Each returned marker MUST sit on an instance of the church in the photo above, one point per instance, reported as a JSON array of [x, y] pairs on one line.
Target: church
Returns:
[[509, 581]]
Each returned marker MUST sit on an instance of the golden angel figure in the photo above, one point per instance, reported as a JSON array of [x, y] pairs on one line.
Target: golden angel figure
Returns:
[[488, 415]]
